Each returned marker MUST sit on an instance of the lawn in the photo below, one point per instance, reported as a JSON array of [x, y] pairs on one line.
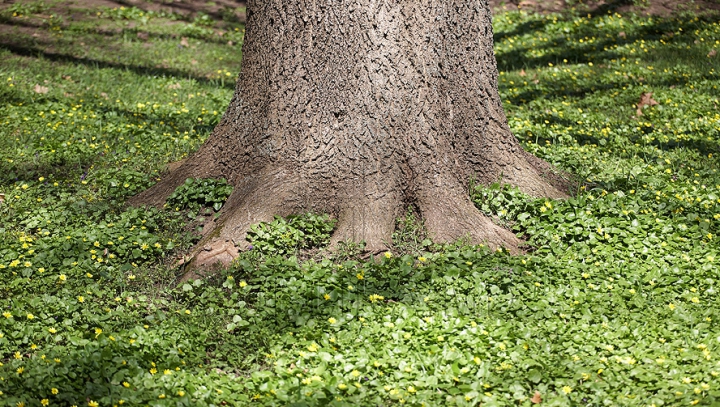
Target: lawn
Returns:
[[614, 301]]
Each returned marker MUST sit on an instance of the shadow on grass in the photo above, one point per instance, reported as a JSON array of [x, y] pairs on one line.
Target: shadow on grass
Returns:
[[211, 38], [34, 52], [575, 52]]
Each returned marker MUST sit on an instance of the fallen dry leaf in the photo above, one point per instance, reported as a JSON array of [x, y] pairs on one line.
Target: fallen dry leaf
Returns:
[[2, 198], [184, 42], [622, 34], [522, 72], [174, 86], [41, 89], [526, 3], [536, 399], [143, 35], [645, 100], [712, 53]]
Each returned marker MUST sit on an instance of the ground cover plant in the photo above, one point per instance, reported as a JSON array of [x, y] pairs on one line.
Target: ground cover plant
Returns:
[[614, 302]]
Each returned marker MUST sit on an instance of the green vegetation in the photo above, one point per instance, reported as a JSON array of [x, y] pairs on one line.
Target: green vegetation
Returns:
[[615, 302]]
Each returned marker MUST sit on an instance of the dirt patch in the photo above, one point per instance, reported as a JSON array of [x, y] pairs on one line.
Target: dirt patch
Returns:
[[647, 7]]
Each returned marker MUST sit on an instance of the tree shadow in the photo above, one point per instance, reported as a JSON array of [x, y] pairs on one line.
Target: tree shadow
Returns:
[[135, 30], [568, 47], [34, 52]]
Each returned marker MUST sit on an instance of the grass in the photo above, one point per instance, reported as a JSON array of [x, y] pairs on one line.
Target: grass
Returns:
[[615, 304]]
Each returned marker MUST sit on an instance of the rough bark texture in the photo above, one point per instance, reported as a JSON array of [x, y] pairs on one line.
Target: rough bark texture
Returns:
[[359, 108]]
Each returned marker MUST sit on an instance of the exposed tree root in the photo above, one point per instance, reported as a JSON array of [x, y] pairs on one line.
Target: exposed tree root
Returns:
[[449, 214]]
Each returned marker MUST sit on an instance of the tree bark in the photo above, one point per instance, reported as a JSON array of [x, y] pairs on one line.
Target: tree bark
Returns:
[[359, 108]]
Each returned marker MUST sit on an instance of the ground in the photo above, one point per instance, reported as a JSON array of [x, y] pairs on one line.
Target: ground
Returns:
[[615, 302]]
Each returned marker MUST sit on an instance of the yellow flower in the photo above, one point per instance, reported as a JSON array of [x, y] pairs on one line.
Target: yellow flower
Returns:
[[332, 320], [411, 389], [126, 384], [98, 331], [359, 276], [167, 371], [242, 284], [153, 371], [388, 255], [92, 403], [20, 370], [54, 391], [422, 259], [44, 402], [30, 316], [671, 306], [80, 298], [567, 389], [162, 396], [62, 277], [7, 315], [326, 296], [695, 300], [342, 386], [181, 393]]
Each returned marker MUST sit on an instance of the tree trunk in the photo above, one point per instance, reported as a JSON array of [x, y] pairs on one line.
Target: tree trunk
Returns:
[[359, 108]]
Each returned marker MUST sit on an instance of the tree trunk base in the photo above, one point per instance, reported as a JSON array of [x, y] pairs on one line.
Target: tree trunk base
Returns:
[[358, 109]]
